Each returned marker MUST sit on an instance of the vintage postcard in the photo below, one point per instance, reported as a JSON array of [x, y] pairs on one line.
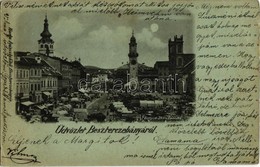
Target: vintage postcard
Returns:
[[114, 82]]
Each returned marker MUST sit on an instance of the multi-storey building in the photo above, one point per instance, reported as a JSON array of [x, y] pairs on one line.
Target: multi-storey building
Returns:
[[50, 78], [78, 72], [22, 81], [35, 92]]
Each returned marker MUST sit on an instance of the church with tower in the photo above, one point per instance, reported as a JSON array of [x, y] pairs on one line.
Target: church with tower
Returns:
[[180, 66], [177, 58], [45, 44], [71, 71]]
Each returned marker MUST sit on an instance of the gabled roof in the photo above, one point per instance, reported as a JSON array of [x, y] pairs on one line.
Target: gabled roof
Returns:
[[162, 63], [77, 65], [31, 62], [189, 67], [22, 62], [28, 62], [49, 70]]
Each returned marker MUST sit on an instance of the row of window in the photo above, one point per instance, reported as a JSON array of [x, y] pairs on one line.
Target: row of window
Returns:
[[22, 87], [35, 72], [49, 83], [35, 87], [45, 46], [22, 73]]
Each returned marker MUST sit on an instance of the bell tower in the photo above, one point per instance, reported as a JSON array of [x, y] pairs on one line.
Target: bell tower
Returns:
[[133, 64], [45, 44], [175, 54]]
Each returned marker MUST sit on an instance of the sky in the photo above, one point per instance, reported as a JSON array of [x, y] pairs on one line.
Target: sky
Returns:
[[102, 40]]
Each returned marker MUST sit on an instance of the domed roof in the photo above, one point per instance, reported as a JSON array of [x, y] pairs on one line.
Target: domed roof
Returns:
[[46, 35]]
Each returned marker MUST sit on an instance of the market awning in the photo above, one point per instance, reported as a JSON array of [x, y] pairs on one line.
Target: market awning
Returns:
[[27, 103], [64, 98], [125, 111], [82, 90], [49, 105], [41, 107], [75, 99], [47, 93]]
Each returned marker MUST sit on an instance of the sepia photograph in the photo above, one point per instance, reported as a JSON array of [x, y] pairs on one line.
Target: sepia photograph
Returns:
[[116, 69]]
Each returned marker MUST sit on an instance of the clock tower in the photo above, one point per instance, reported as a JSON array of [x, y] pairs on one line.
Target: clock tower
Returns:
[[133, 64]]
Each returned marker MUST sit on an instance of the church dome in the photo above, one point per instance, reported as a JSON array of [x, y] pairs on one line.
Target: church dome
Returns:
[[46, 35]]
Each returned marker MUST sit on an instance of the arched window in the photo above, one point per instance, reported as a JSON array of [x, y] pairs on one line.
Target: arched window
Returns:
[[171, 49], [179, 48], [17, 88], [179, 61]]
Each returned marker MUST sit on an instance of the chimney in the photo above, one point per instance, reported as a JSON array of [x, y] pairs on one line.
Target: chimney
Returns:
[[38, 59]]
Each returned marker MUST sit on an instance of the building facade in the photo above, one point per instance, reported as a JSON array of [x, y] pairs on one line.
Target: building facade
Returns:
[[50, 78], [162, 68], [78, 72], [36, 80], [22, 70], [28, 77], [35, 92]]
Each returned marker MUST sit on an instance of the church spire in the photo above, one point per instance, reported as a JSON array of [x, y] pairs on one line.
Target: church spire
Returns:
[[132, 39], [46, 34], [133, 46], [46, 43]]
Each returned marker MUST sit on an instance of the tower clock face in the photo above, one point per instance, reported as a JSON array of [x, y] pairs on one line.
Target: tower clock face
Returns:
[[133, 62]]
